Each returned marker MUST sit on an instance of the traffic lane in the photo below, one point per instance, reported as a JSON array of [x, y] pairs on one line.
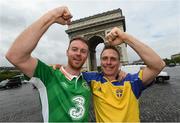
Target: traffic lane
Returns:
[[20, 104], [160, 102], [173, 71]]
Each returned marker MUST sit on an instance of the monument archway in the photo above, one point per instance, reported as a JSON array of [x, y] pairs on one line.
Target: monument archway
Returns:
[[93, 42], [94, 28]]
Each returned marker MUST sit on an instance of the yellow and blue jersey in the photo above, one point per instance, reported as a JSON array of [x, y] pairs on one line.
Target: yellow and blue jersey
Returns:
[[115, 101]]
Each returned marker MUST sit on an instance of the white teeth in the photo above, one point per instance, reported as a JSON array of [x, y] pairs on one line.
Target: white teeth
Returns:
[[77, 60]]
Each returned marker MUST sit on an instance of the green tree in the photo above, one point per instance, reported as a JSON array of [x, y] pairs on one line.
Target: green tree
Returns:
[[7, 74], [177, 60], [167, 61]]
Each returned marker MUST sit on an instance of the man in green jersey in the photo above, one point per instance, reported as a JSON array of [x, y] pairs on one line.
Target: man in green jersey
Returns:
[[64, 94]]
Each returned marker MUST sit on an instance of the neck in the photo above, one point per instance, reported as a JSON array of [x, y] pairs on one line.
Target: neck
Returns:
[[72, 71], [110, 78]]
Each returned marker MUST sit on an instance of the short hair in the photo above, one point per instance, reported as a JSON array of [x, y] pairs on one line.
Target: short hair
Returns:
[[82, 39], [111, 47]]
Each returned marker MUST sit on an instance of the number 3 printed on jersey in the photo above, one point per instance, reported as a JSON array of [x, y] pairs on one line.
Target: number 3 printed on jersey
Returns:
[[77, 112]]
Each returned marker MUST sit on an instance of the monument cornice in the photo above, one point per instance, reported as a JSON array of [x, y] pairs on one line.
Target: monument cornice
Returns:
[[98, 15], [78, 28]]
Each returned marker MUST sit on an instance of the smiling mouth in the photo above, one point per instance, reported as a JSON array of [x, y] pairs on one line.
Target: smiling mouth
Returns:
[[78, 60], [108, 68]]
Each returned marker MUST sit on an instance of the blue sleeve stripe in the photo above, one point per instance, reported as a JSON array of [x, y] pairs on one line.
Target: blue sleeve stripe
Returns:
[[136, 83], [90, 76], [118, 83]]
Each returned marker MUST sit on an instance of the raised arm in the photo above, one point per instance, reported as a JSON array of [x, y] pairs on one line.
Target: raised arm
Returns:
[[20, 52], [154, 63]]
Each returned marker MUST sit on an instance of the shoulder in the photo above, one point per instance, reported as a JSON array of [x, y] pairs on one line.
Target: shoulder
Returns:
[[43, 68], [92, 75]]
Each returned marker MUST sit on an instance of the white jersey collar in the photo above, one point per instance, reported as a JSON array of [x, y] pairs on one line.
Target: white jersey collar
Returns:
[[68, 75]]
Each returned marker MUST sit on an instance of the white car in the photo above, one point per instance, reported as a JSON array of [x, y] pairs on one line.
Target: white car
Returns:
[[11, 82], [135, 68], [3, 83]]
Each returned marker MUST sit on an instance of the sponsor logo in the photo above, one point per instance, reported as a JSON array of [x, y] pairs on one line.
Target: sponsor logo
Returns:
[[78, 111]]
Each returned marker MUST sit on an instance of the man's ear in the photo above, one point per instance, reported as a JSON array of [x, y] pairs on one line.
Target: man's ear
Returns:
[[67, 52]]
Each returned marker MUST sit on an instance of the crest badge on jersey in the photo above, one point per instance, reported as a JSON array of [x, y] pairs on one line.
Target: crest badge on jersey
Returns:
[[119, 92], [85, 85]]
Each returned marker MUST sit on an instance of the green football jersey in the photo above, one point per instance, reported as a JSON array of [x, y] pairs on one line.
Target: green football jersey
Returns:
[[62, 99]]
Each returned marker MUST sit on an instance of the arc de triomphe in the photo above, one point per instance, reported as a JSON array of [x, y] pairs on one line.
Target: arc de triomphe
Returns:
[[94, 28]]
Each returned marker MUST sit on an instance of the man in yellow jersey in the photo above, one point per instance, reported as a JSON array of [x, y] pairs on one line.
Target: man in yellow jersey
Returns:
[[117, 101]]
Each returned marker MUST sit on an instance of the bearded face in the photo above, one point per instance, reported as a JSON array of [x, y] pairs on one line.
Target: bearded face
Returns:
[[77, 54]]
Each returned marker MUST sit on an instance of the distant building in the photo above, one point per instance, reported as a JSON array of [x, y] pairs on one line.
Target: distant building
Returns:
[[9, 69], [175, 56], [138, 62]]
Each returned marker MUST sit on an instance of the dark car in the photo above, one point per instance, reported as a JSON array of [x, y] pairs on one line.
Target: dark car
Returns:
[[12, 82], [172, 65]]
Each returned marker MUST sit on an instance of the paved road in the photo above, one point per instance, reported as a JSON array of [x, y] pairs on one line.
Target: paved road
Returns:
[[20, 104], [160, 102]]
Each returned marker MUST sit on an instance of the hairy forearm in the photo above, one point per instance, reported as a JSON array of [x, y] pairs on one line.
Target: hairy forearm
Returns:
[[150, 58], [26, 42]]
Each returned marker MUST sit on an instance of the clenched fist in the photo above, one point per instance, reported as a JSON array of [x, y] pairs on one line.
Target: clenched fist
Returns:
[[116, 36], [61, 15]]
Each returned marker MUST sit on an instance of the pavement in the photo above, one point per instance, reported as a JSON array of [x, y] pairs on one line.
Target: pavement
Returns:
[[158, 103], [20, 104]]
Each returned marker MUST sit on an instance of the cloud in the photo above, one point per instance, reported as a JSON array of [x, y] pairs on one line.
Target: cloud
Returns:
[[52, 51], [156, 23]]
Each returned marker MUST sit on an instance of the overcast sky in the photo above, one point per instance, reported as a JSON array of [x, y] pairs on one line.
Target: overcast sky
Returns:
[[154, 22]]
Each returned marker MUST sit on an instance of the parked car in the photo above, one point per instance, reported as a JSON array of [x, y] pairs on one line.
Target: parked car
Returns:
[[12, 82], [172, 65], [162, 77], [135, 68], [3, 83]]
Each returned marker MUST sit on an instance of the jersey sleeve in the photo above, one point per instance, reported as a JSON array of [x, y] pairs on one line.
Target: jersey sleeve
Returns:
[[89, 76], [43, 72], [136, 83]]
